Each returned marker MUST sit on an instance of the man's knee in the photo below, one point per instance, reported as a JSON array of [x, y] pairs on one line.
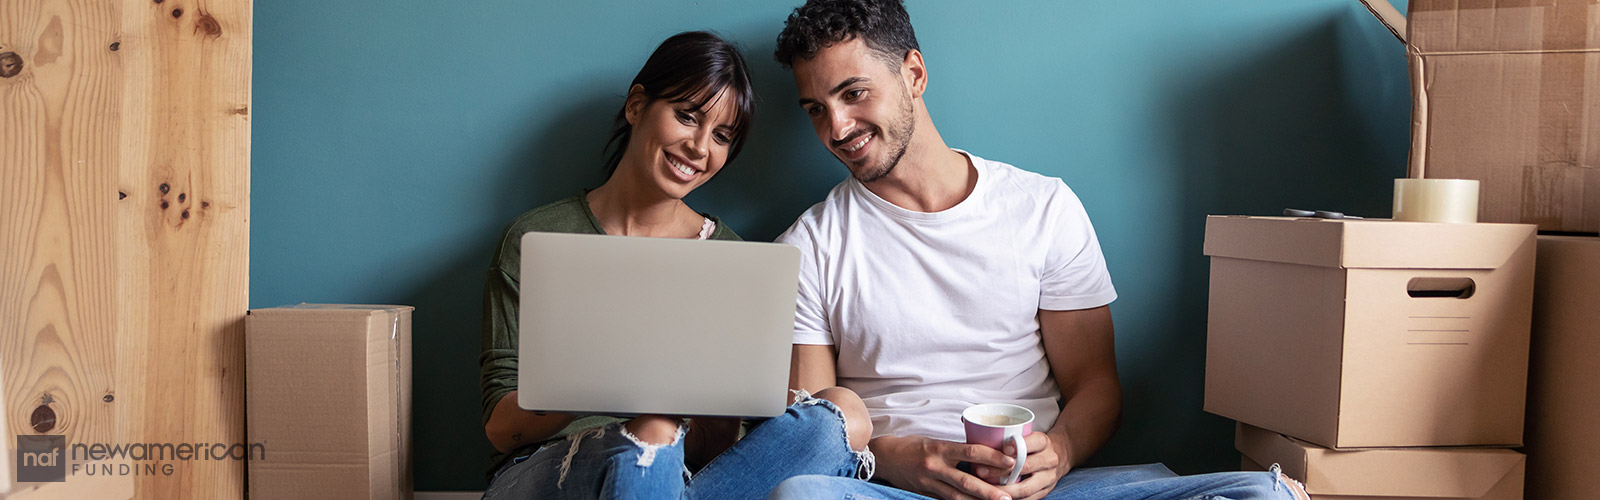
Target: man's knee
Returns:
[[1273, 485], [857, 423], [653, 429], [1282, 482]]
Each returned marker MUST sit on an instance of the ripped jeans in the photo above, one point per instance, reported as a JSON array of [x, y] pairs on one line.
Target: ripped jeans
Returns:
[[605, 462], [1143, 482]]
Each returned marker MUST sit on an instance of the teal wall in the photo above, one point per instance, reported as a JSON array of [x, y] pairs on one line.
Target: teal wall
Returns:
[[393, 140]]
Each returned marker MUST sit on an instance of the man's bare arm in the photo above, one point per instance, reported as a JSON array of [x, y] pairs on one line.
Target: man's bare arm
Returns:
[[812, 368], [1081, 350]]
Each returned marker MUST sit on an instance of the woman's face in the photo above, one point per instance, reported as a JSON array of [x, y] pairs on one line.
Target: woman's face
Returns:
[[675, 146]]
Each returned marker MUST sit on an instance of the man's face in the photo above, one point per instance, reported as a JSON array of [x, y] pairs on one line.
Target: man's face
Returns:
[[859, 106]]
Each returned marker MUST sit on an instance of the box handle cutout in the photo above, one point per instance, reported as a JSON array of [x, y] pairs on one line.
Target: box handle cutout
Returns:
[[1458, 288]]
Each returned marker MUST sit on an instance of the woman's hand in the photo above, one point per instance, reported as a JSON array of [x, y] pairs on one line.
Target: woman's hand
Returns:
[[511, 427]]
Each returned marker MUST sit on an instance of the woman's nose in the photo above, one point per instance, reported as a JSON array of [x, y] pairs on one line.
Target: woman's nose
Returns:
[[697, 146]]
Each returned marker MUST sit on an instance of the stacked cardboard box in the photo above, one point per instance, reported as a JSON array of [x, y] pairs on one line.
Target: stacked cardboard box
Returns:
[[1563, 442], [1386, 473], [1350, 335], [1365, 392], [328, 396], [1507, 92]]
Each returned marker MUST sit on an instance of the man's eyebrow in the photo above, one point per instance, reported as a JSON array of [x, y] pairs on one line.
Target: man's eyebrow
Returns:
[[837, 88]]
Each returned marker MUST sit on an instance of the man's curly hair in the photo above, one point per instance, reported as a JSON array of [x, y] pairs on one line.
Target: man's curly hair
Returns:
[[882, 24]]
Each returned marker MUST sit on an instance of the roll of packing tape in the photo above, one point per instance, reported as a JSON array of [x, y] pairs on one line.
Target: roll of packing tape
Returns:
[[1436, 200]]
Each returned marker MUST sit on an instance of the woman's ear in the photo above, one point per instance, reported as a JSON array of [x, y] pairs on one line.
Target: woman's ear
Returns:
[[633, 108]]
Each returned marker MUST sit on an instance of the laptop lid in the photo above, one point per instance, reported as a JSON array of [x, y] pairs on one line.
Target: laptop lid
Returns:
[[626, 326]]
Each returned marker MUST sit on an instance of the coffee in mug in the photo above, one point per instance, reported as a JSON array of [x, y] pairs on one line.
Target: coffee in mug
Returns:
[[997, 420]]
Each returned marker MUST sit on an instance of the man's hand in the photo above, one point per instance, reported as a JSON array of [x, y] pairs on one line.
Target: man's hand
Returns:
[[928, 466], [1040, 471]]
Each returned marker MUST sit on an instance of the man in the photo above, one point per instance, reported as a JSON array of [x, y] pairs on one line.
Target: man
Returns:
[[934, 279]]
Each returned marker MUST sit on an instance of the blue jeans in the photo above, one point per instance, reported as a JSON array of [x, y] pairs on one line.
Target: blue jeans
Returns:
[[606, 462], [1143, 482]]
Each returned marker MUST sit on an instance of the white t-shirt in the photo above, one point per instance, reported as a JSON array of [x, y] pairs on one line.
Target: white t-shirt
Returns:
[[934, 312]]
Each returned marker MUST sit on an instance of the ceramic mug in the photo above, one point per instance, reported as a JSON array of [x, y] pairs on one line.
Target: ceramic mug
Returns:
[[995, 424]]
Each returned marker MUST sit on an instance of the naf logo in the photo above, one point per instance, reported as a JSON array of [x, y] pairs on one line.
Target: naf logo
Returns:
[[42, 458]]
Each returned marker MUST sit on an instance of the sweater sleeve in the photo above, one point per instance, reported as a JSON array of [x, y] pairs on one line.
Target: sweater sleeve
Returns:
[[497, 363]]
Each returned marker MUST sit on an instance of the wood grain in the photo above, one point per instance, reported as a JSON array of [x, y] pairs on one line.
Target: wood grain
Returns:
[[97, 488], [57, 130], [124, 226]]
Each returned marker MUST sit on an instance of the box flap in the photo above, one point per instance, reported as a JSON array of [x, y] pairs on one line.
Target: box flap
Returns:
[[1389, 16], [1524, 124], [1385, 472], [1444, 26], [1365, 244]]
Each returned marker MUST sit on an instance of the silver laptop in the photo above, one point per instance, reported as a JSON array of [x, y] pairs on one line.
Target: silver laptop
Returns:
[[627, 326]]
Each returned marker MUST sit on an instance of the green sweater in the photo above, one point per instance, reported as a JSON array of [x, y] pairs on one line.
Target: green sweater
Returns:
[[497, 365]]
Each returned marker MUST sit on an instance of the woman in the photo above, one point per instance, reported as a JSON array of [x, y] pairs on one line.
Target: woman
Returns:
[[686, 116]]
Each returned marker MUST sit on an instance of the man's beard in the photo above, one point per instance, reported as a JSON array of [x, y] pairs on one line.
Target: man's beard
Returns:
[[902, 130]]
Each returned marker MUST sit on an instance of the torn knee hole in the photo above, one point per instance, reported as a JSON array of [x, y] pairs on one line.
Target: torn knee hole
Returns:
[[803, 397], [1296, 490], [647, 450]]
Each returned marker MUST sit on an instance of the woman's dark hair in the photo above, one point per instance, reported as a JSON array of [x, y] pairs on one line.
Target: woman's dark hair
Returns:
[[883, 24], [693, 67]]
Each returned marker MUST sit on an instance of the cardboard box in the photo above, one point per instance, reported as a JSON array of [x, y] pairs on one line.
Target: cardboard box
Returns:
[[1385, 474], [1508, 93], [1564, 378], [1370, 333], [328, 395]]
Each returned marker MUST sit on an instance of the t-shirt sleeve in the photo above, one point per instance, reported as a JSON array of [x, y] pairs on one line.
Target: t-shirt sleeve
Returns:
[[1075, 275], [810, 321]]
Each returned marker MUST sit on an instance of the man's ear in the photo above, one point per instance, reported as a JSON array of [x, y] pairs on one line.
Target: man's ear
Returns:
[[633, 108], [914, 73]]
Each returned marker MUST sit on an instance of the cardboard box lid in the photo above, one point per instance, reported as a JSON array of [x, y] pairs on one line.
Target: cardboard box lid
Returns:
[[1392, 472], [303, 311], [1467, 26], [358, 309], [1364, 244]]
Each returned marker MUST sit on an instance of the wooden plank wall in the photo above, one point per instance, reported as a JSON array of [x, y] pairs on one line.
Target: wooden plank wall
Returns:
[[124, 226]]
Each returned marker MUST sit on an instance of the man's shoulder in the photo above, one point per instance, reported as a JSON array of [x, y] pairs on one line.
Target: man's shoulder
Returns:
[[832, 207], [1010, 176], [1016, 184], [823, 213]]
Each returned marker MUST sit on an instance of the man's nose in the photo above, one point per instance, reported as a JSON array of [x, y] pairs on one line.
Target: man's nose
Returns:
[[839, 125]]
